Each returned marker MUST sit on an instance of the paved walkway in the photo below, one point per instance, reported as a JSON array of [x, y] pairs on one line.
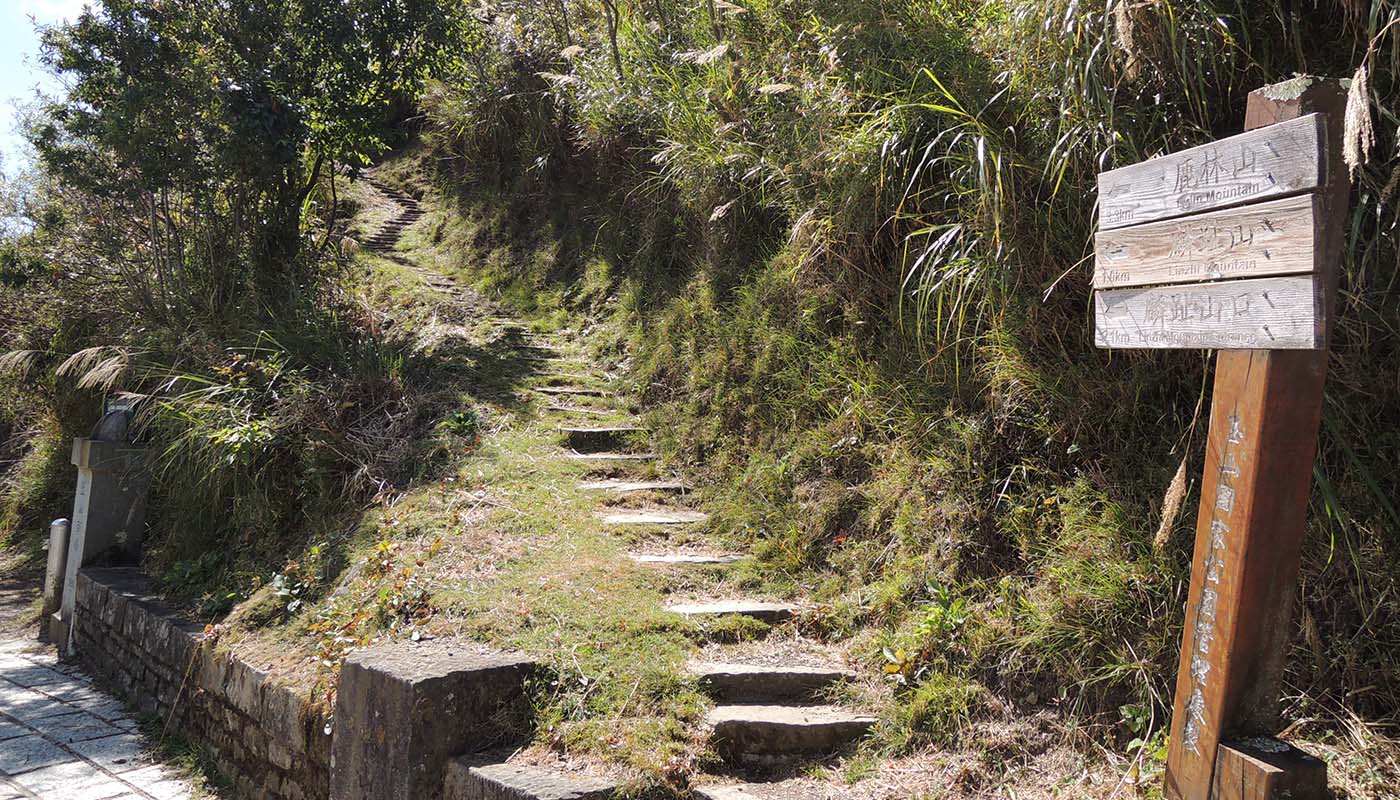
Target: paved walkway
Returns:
[[62, 738]]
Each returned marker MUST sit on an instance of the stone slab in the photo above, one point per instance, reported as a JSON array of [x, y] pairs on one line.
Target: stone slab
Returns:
[[613, 456], [736, 792], [762, 611], [678, 517], [403, 709], [570, 391], [685, 559], [597, 439], [748, 683], [747, 732], [29, 753], [588, 412], [78, 726], [468, 781], [616, 486]]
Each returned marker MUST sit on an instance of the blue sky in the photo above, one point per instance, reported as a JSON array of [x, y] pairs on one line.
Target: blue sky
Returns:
[[20, 73]]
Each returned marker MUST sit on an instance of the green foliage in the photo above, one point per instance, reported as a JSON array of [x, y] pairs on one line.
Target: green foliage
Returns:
[[195, 208], [869, 327]]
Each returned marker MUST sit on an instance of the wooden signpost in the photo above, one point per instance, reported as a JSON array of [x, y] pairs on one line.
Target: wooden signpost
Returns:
[[1234, 246]]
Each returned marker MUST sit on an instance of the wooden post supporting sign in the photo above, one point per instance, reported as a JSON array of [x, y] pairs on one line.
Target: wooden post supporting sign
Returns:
[[1234, 246]]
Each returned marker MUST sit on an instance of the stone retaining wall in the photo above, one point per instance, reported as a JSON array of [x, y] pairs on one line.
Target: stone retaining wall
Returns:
[[264, 738]]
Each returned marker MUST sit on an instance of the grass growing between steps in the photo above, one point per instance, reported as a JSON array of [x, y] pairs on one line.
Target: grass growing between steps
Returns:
[[497, 544]]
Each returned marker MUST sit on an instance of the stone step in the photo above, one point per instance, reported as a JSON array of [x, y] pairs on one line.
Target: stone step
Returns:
[[745, 791], [761, 733], [468, 780], [795, 789], [685, 559], [618, 486], [570, 391], [606, 457], [596, 440], [678, 517], [589, 412], [752, 683], [763, 611]]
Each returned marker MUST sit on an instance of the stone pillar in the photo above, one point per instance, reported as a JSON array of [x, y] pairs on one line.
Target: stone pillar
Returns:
[[109, 512]]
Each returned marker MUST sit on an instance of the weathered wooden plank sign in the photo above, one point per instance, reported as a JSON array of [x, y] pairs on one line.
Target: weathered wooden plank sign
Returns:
[[1266, 163], [1273, 238], [1233, 246], [1259, 314], [1194, 220]]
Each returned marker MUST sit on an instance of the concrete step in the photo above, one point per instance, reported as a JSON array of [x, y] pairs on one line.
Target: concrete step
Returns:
[[571, 391], [587, 412], [612, 457], [760, 733], [685, 559], [617, 486], [795, 789], [596, 440], [751, 683], [679, 517], [467, 780], [763, 611]]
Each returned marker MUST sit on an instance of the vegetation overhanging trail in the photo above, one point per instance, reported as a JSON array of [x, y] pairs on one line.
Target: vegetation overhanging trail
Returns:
[[561, 326]]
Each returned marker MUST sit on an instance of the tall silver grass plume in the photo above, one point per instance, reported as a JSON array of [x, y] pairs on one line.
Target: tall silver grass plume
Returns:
[[98, 367], [1171, 507], [19, 362], [1359, 132]]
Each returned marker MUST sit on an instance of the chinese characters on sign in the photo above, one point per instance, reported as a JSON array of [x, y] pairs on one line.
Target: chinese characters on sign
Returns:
[[1203, 629]]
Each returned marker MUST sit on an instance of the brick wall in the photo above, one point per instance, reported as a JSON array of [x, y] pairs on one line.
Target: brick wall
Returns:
[[265, 739]]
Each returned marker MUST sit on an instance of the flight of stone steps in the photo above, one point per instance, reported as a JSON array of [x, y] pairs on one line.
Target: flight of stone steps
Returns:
[[767, 716], [387, 237]]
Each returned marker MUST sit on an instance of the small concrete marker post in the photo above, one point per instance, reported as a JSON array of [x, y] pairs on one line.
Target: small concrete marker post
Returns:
[[54, 573], [1270, 202]]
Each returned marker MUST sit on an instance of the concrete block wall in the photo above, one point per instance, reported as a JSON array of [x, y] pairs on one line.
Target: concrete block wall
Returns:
[[266, 739]]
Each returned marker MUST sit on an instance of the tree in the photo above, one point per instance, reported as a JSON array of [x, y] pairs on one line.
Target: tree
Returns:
[[205, 127]]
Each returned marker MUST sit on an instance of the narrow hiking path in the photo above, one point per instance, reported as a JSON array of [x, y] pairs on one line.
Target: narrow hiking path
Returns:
[[771, 716]]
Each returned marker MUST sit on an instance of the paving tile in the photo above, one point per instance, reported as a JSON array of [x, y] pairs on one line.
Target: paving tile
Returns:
[[9, 729], [70, 780], [32, 707], [34, 675], [121, 753], [78, 726], [74, 690], [66, 687], [170, 790], [101, 787], [30, 753], [104, 707]]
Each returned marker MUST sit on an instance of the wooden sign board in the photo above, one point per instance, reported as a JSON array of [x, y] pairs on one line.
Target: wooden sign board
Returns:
[[1259, 165], [1274, 238], [1216, 247], [1232, 246], [1260, 314]]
